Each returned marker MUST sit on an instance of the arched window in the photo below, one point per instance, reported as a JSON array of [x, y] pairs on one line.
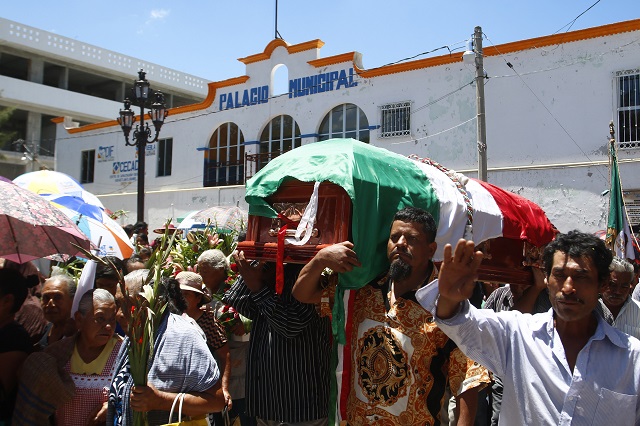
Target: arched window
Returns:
[[345, 121], [282, 134], [224, 160]]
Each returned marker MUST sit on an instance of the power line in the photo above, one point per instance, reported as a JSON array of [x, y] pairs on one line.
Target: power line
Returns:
[[570, 24], [510, 65]]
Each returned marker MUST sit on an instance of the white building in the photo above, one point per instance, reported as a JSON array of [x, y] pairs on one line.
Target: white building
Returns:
[[549, 101], [44, 75]]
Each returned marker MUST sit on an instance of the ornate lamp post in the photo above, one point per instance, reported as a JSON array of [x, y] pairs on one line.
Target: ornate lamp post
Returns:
[[142, 133]]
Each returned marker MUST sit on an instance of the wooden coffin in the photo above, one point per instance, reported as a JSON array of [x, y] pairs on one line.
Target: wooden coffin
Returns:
[[504, 258], [333, 222]]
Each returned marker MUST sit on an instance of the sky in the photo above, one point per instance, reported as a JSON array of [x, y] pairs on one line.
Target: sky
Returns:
[[205, 38]]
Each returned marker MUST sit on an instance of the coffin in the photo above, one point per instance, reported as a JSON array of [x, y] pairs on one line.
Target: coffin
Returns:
[[333, 222], [504, 258]]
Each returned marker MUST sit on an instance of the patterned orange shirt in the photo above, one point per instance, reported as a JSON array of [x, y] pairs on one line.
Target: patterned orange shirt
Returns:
[[401, 362]]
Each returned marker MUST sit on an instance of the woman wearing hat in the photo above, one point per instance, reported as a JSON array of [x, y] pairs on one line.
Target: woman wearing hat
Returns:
[[195, 294]]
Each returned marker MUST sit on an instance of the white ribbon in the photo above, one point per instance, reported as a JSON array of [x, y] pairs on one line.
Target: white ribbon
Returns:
[[307, 221], [85, 283]]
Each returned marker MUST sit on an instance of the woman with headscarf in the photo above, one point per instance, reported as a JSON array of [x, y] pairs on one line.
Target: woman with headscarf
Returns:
[[181, 363]]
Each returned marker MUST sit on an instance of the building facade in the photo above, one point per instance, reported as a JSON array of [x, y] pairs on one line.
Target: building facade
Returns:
[[44, 75], [548, 103]]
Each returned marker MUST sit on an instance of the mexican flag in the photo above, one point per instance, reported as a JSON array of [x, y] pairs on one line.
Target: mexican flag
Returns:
[[619, 236]]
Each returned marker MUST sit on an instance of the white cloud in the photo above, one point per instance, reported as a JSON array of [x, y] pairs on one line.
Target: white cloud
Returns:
[[159, 13]]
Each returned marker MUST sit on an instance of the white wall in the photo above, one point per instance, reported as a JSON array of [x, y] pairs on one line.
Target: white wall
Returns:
[[547, 127]]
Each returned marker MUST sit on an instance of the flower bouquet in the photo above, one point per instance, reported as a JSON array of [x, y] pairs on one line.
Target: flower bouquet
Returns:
[[184, 255]]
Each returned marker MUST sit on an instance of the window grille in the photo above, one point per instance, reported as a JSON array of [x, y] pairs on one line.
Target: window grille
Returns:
[[632, 203], [628, 85], [165, 157], [395, 120], [88, 166], [345, 121], [224, 160], [281, 135]]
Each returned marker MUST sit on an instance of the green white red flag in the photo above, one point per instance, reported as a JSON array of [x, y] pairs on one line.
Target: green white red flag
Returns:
[[619, 236]]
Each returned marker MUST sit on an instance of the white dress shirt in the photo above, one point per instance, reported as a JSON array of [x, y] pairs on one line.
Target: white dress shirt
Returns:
[[628, 319], [539, 387]]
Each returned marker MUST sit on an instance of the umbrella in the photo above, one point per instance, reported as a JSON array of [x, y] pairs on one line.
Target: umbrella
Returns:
[[187, 222], [32, 228], [113, 240], [222, 217], [45, 182], [76, 204]]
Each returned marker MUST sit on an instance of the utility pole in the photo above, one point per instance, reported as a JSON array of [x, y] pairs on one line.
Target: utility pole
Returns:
[[480, 114]]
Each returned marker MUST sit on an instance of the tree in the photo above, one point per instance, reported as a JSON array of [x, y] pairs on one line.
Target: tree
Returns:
[[7, 134]]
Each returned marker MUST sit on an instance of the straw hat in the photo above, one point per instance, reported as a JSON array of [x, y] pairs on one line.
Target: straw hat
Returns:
[[170, 229], [191, 281]]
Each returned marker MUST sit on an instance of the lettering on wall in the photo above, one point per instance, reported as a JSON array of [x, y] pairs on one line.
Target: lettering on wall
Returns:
[[105, 154], [124, 171], [249, 97], [334, 80], [303, 86]]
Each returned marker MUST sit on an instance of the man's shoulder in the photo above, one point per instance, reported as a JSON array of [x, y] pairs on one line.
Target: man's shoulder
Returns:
[[622, 340], [634, 304]]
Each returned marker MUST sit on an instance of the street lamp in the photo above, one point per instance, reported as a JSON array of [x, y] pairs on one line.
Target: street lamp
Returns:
[[142, 134]]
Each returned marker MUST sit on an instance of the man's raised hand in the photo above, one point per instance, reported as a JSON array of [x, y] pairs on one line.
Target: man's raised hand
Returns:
[[457, 277]]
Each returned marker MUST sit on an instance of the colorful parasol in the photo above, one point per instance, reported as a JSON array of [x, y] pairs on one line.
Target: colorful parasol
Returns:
[[49, 182], [113, 240], [32, 228], [222, 217]]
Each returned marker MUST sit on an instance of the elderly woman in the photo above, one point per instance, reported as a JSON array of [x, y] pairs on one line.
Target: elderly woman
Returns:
[[194, 293], [92, 363], [182, 363], [85, 368]]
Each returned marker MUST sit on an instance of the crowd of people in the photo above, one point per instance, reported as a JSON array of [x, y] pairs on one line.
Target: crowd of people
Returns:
[[424, 345]]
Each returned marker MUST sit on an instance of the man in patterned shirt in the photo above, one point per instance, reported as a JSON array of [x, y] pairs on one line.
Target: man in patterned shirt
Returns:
[[398, 362]]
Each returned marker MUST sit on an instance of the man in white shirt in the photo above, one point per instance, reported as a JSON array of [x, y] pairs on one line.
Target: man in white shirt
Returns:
[[617, 301], [565, 366]]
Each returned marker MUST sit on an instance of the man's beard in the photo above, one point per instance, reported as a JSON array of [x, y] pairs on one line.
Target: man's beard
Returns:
[[399, 270]]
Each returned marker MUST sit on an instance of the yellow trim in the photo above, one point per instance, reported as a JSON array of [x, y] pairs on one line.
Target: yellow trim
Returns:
[[172, 111], [601, 31], [273, 44], [332, 60]]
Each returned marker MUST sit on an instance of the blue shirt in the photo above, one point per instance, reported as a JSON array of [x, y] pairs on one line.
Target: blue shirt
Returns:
[[539, 387]]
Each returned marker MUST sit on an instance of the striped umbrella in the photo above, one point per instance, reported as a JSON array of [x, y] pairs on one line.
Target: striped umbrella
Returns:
[[49, 182], [113, 240]]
